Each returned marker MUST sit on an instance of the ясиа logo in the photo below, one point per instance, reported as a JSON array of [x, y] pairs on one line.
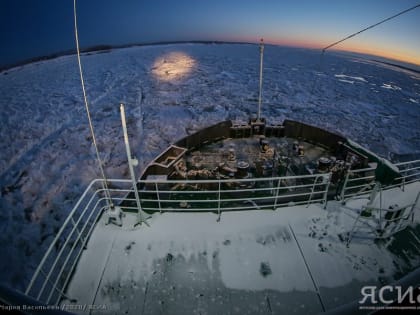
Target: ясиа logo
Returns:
[[374, 297]]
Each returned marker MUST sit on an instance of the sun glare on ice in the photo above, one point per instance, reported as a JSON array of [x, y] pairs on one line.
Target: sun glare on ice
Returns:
[[174, 65]]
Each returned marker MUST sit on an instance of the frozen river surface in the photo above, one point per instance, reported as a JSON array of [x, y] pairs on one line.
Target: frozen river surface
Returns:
[[169, 91]]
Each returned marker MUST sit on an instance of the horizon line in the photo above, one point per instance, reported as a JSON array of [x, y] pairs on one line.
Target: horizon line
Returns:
[[104, 47]]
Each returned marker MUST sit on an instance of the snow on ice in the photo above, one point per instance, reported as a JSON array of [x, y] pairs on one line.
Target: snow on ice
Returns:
[[169, 91]]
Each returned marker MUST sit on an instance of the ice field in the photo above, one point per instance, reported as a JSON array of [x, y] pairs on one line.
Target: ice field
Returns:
[[47, 158]]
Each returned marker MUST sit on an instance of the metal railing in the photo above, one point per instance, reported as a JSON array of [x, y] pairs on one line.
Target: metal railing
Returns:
[[383, 222], [358, 182], [54, 272], [410, 172], [232, 194], [51, 277], [361, 181]]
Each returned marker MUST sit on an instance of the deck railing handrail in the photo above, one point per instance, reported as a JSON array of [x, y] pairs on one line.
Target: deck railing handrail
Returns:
[[351, 178], [70, 215], [73, 219], [53, 275], [228, 180], [407, 170], [54, 270], [408, 162]]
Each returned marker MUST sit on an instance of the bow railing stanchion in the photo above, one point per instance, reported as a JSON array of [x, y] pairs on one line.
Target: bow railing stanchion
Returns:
[[328, 179], [218, 200], [410, 172], [277, 194], [54, 272], [312, 191], [141, 216], [261, 79], [158, 198]]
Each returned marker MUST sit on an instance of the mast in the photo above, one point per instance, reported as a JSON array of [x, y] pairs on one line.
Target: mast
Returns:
[[141, 216], [261, 73]]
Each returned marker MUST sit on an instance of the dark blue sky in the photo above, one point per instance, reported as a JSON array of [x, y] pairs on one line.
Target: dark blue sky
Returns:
[[31, 28]]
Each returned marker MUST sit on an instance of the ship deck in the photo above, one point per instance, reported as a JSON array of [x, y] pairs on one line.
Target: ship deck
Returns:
[[291, 260], [278, 160]]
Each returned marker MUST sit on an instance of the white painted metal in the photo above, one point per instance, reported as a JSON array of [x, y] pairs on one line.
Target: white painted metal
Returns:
[[376, 222], [141, 216], [261, 78], [54, 271]]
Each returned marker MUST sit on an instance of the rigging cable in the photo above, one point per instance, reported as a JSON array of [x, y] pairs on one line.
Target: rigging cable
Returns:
[[355, 34], [370, 27], [104, 184]]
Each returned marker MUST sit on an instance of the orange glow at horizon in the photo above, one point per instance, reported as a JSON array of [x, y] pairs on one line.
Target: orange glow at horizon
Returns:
[[359, 47], [381, 51]]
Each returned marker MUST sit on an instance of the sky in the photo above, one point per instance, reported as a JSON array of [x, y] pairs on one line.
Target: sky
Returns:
[[34, 28]]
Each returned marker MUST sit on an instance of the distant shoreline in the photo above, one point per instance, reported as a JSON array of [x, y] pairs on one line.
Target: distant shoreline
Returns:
[[104, 48], [98, 48]]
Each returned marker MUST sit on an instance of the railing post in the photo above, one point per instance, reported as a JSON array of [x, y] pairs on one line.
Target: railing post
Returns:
[[78, 232], [51, 247], [277, 194], [328, 178], [158, 198], [218, 202], [343, 189], [312, 191], [380, 206], [414, 206], [54, 287]]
